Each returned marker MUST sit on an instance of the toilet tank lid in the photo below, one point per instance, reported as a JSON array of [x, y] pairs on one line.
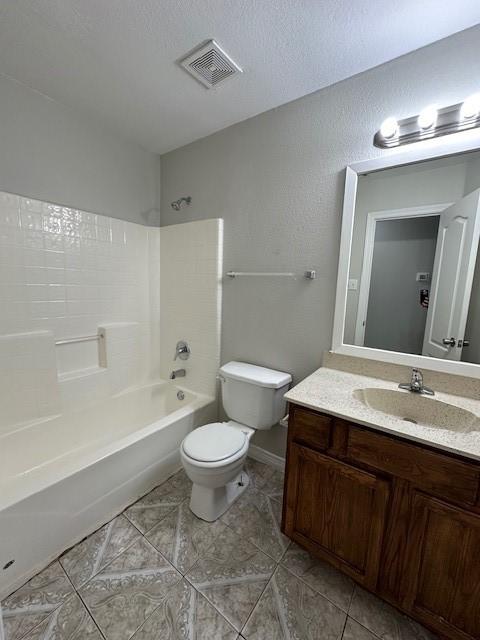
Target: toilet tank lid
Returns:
[[260, 376]]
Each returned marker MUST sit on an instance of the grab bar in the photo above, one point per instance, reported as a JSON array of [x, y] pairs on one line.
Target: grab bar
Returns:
[[97, 336]]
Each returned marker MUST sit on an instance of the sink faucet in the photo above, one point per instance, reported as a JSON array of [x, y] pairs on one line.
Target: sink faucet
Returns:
[[416, 384], [178, 373]]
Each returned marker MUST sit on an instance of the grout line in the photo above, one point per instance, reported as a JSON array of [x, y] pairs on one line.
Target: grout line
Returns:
[[144, 533], [254, 543], [129, 521], [146, 494], [258, 599], [56, 560], [76, 592], [372, 633], [104, 566], [268, 581], [335, 604], [207, 600], [155, 609], [250, 541], [351, 597], [72, 595]]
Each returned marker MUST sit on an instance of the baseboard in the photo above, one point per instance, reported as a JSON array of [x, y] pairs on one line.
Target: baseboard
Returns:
[[262, 455]]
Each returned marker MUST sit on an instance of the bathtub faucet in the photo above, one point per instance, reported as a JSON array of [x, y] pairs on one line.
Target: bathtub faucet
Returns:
[[178, 373]]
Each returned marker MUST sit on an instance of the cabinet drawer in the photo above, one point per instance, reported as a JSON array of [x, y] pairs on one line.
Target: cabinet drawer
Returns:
[[434, 472], [309, 428]]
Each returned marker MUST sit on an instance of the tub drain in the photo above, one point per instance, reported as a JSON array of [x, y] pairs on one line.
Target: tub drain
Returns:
[[180, 395]]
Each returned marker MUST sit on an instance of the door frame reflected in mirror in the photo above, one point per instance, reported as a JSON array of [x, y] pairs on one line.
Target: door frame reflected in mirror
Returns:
[[373, 217], [465, 142]]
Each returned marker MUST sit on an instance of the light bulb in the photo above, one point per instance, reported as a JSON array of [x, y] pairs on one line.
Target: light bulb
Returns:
[[470, 108], [428, 117], [389, 128]]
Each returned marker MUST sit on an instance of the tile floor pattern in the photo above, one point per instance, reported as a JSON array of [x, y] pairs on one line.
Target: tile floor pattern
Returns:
[[159, 573]]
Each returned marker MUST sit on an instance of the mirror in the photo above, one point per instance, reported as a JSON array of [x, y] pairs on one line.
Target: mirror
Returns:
[[414, 266]]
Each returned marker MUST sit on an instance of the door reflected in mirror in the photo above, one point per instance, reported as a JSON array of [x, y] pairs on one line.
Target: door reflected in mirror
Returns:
[[414, 279]]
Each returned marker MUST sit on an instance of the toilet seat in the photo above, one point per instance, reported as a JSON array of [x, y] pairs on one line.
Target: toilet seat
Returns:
[[214, 443]]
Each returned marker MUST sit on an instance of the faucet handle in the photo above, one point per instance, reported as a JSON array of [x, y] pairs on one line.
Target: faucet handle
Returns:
[[182, 350], [417, 376]]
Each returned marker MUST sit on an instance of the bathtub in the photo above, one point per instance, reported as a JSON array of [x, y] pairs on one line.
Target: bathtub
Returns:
[[63, 477]]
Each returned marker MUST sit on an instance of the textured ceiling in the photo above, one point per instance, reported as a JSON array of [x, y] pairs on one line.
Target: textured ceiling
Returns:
[[116, 59]]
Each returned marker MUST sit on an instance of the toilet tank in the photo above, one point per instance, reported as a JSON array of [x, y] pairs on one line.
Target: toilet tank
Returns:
[[253, 395]]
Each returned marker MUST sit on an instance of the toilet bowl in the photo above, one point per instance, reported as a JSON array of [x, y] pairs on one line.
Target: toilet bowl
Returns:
[[213, 455], [213, 460]]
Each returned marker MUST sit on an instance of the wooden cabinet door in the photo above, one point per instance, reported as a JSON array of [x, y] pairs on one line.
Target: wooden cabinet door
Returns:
[[442, 581], [336, 511]]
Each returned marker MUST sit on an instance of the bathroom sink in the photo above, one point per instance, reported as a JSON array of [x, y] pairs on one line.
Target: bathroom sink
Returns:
[[419, 409]]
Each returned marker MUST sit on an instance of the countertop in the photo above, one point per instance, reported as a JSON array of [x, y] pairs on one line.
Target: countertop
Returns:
[[332, 391]]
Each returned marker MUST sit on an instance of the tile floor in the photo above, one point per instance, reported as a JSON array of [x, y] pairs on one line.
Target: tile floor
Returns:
[[157, 572]]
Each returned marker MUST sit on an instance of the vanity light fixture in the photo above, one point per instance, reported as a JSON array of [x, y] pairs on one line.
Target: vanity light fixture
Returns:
[[389, 128], [430, 123], [428, 117], [470, 108]]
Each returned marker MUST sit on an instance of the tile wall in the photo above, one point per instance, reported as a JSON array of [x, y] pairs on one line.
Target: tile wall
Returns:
[[191, 257], [66, 273]]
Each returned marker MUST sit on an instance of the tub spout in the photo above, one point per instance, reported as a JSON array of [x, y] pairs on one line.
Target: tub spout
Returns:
[[178, 373]]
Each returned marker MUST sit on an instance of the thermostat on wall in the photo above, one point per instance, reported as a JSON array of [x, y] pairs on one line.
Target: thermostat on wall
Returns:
[[423, 276]]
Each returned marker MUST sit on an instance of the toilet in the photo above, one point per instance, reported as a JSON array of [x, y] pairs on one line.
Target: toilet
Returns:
[[213, 455]]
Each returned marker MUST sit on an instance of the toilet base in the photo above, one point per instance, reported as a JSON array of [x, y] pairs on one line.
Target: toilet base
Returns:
[[209, 504]]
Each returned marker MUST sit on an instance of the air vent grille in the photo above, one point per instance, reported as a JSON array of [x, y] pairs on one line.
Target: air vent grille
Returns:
[[210, 65]]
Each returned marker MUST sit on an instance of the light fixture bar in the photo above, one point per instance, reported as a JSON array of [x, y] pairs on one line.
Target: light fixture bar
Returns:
[[428, 124]]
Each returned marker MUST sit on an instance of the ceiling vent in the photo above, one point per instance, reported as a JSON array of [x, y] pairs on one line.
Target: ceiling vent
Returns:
[[210, 65]]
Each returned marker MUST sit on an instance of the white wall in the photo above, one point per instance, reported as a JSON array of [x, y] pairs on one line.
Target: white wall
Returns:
[[277, 180], [65, 273], [472, 177], [190, 292], [51, 153]]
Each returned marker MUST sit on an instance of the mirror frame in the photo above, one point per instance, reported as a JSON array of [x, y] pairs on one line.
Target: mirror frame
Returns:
[[464, 142]]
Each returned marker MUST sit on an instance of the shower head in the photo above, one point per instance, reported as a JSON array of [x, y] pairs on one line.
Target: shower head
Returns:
[[177, 204]]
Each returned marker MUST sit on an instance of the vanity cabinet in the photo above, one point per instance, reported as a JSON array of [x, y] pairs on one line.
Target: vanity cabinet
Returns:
[[400, 518]]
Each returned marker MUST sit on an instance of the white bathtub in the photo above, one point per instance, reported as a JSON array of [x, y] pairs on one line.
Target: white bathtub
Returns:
[[62, 478]]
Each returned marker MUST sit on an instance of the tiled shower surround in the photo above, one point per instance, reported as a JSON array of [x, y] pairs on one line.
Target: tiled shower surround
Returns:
[[66, 273], [63, 274]]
